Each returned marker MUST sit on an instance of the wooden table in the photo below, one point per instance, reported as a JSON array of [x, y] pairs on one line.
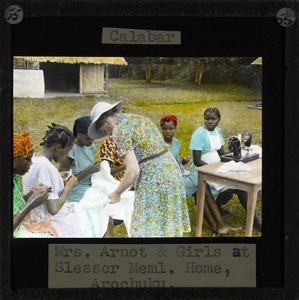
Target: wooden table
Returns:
[[251, 182]]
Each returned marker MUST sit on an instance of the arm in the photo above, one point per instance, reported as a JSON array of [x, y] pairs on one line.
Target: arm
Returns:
[[36, 199], [221, 151], [54, 206], [65, 165], [197, 158], [117, 170], [39, 187], [90, 170], [27, 196], [131, 174]]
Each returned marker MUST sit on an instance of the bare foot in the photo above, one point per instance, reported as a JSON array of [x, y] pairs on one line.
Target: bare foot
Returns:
[[228, 230]]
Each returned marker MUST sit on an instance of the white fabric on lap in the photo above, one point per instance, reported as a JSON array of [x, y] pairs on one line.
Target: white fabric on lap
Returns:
[[94, 208]]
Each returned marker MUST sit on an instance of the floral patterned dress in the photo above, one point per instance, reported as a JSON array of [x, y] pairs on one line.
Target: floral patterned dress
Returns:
[[160, 208]]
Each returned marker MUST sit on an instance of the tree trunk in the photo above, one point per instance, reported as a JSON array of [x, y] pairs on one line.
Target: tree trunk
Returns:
[[148, 71], [199, 70], [106, 77]]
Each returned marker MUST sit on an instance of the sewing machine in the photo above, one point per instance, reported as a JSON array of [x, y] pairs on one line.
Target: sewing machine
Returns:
[[237, 153]]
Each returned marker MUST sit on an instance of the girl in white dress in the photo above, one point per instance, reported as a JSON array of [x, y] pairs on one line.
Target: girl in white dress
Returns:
[[53, 216]]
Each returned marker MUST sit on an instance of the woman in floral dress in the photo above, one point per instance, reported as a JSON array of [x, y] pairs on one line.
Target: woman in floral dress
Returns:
[[160, 208]]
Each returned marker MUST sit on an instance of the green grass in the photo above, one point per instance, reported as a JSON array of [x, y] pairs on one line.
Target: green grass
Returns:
[[178, 92], [153, 100]]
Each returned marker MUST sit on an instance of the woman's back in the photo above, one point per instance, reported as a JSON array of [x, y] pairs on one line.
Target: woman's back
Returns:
[[139, 133]]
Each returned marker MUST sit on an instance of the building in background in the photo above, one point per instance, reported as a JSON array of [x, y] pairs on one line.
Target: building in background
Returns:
[[35, 76]]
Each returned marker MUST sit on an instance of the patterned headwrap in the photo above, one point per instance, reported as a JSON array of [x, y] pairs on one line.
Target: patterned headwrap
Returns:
[[168, 118], [81, 125], [22, 144]]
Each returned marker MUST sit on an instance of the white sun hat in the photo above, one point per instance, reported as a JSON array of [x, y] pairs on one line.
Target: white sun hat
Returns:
[[96, 112]]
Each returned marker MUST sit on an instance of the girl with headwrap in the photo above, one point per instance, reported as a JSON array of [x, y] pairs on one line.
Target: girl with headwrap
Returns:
[[23, 204], [168, 126]]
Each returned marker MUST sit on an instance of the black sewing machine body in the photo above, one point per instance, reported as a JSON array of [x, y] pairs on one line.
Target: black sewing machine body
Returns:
[[234, 146]]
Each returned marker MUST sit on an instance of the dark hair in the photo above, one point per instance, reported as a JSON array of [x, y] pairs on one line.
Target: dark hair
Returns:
[[101, 120], [57, 134], [213, 110], [81, 125]]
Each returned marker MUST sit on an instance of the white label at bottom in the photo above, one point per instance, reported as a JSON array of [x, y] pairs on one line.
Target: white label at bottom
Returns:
[[151, 265]]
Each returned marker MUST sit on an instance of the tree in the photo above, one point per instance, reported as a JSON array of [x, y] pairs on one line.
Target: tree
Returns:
[[200, 66], [148, 71], [190, 68], [194, 69]]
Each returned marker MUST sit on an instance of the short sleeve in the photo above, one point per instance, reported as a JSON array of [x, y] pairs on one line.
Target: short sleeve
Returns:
[[47, 177], [199, 140], [93, 148]]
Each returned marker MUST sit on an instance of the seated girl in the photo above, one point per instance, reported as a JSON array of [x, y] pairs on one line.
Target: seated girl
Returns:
[[168, 126], [80, 160], [207, 145], [23, 204], [59, 219]]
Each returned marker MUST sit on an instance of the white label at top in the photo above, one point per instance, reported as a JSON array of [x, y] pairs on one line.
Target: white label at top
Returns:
[[140, 36]]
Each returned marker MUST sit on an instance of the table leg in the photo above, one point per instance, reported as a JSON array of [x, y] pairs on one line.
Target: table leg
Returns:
[[251, 204], [201, 192]]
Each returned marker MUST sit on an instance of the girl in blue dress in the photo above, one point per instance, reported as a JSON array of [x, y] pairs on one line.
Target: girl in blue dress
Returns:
[[80, 159], [168, 125], [207, 145]]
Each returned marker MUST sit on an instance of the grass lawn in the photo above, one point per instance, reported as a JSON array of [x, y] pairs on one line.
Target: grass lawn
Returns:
[[153, 100]]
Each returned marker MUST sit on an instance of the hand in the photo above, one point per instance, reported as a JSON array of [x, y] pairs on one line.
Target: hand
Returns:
[[39, 187], [72, 181], [96, 167], [184, 161], [65, 175], [38, 197], [114, 197]]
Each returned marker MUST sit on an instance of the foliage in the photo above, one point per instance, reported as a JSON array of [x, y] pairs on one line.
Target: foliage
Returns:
[[196, 70]]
